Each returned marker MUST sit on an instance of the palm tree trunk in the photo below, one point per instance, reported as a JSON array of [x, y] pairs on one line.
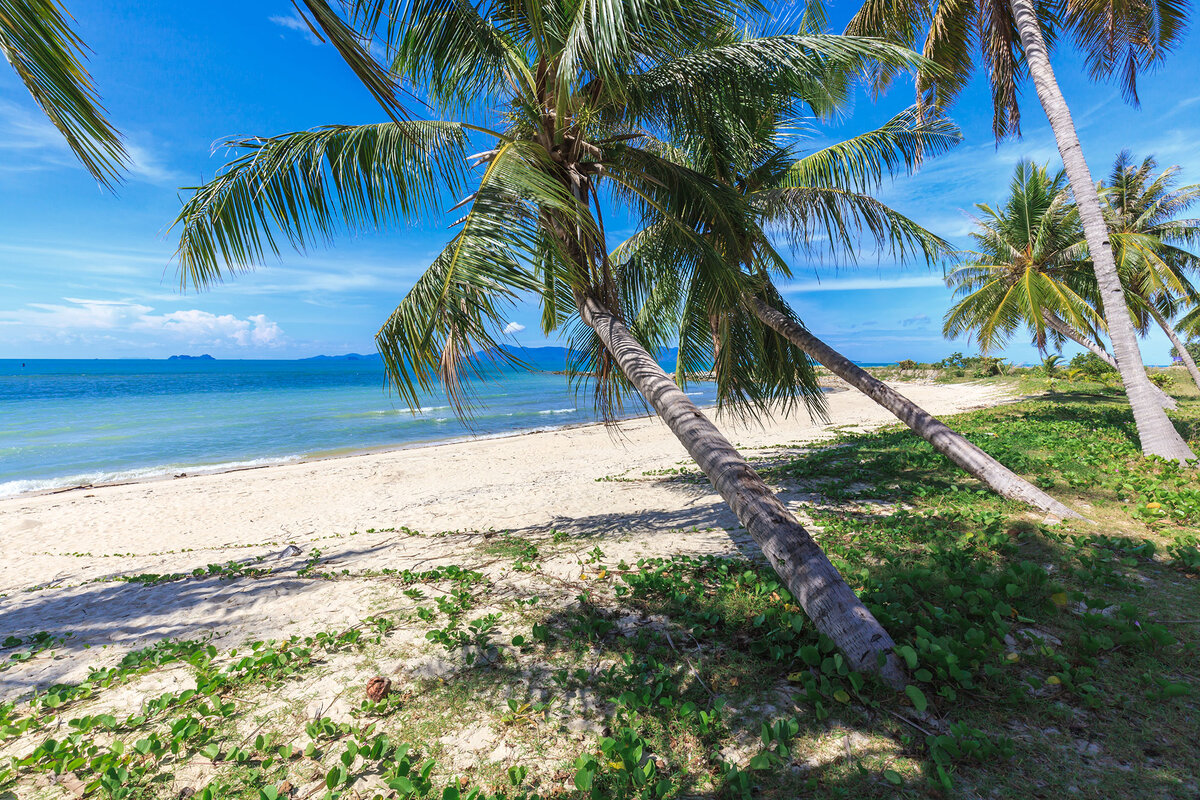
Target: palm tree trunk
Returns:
[[1062, 326], [806, 571], [953, 446], [1158, 436], [1184, 355]]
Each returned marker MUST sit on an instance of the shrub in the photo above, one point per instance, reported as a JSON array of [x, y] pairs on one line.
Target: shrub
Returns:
[[1091, 365], [1193, 349]]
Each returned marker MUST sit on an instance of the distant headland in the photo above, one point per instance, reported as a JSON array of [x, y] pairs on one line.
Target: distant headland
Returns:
[[205, 357], [343, 357]]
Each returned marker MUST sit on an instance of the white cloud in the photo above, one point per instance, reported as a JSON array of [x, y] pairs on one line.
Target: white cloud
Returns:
[[294, 22], [513, 327], [76, 319]]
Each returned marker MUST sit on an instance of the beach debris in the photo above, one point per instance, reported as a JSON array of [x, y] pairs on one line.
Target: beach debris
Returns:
[[71, 782], [378, 688], [290, 551]]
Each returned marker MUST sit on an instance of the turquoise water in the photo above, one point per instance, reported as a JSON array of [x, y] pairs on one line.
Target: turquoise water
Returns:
[[68, 423]]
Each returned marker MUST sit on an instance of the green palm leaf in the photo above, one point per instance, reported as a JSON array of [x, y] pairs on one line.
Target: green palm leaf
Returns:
[[47, 55], [305, 186]]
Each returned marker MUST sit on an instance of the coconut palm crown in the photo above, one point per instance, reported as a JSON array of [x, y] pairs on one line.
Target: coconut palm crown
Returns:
[[1150, 233], [1029, 260], [576, 105]]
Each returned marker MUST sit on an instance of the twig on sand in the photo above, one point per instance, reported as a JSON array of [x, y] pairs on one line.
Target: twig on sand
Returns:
[[688, 661], [908, 721]]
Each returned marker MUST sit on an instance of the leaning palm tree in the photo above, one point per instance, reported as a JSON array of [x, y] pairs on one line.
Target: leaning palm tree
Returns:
[[566, 99], [37, 40], [1116, 38], [824, 197], [1149, 239]]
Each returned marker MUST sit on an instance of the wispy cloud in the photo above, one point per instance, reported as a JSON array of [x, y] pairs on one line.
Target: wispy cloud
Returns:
[[863, 284], [293, 22], [37, 145], [34, 143], [145, 165], [920, 319], [513, 327]]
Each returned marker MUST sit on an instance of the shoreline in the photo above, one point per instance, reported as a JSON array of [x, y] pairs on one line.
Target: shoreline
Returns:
[[202, 471], [329, 455]]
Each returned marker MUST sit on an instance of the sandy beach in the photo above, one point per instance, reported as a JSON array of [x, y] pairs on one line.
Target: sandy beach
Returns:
[[432, 505]]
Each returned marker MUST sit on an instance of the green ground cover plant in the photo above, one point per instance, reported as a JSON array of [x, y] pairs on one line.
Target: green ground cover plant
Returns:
[[1045, 660]]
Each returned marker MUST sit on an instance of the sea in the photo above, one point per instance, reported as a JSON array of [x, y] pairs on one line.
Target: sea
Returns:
[[67, 423]]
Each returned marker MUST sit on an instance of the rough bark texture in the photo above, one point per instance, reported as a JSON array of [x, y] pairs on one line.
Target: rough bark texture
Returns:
[[1063, 327], [953, 446], [821, 591], [1184, 355], [1158, 436]]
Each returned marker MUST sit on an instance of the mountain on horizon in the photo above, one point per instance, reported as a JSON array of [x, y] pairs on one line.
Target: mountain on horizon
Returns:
[[345, 357]]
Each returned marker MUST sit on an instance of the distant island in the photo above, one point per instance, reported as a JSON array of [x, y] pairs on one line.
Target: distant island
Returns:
[[205, 357], [343, 357]]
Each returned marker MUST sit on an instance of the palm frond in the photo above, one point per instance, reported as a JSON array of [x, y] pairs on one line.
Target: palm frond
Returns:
[[47, 55], [834, 220], [859, 164], [806, 67], [457, 54], [1124, 40], [305, 186], [454, 310], [354, 48]]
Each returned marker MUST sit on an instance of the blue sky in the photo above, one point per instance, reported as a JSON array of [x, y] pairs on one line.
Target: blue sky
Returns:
[[84, 274]]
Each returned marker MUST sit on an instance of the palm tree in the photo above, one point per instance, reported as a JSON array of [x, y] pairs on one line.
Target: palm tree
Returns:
[[572, 92], [47, 55], [1124, 39], [823, 196], [1029, 268], [1148, 239]]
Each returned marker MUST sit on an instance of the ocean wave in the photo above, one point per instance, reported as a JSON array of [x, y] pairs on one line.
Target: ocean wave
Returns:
[[391, 412], [557, 411], [11, 488]]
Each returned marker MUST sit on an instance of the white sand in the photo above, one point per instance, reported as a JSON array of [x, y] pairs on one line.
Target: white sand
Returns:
[[528, 484]]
